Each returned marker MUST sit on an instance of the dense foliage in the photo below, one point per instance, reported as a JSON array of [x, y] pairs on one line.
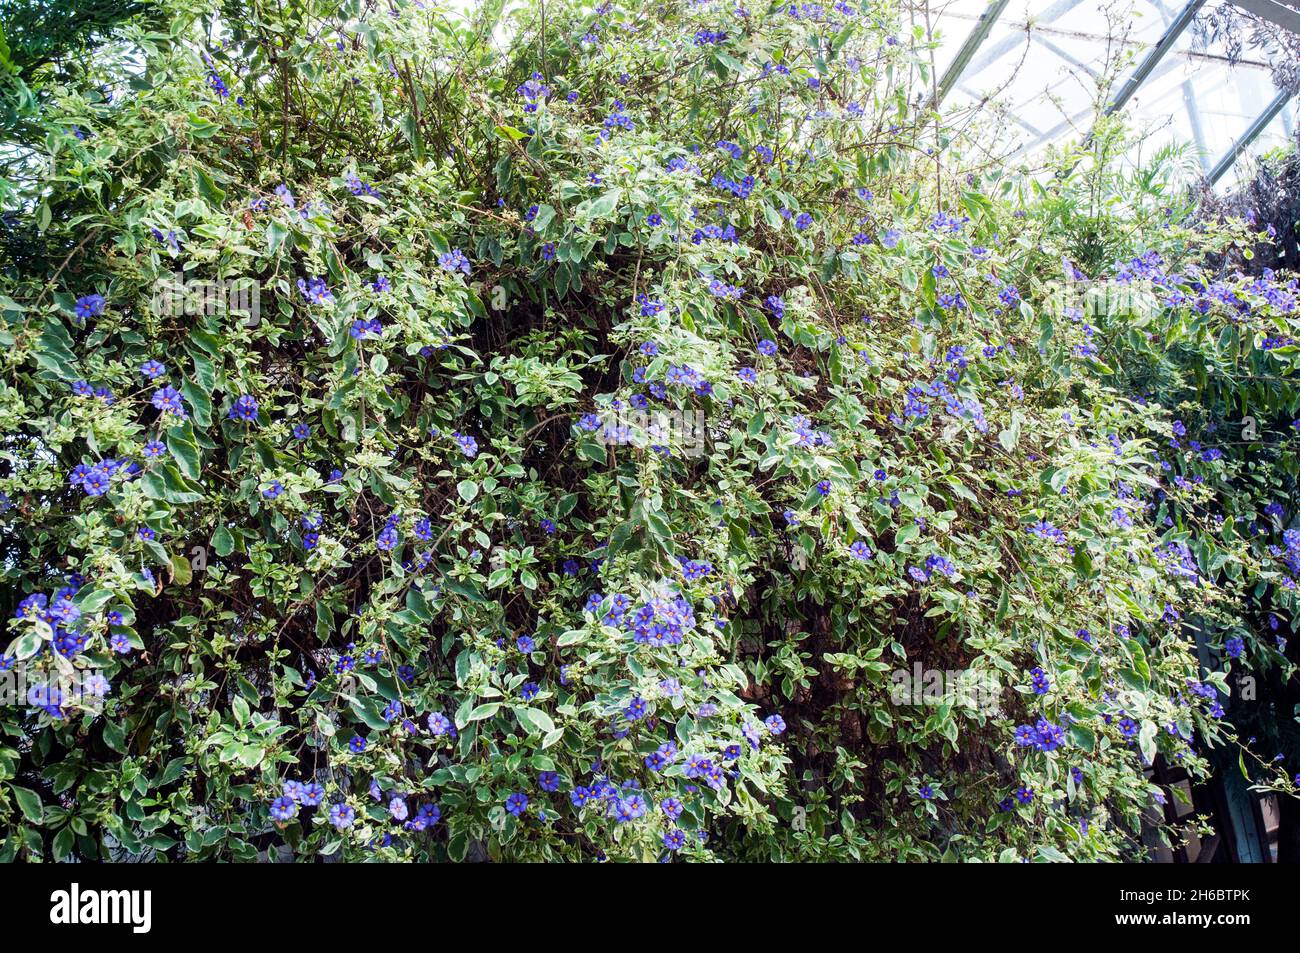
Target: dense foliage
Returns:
[[433, 445], [1270, 201]]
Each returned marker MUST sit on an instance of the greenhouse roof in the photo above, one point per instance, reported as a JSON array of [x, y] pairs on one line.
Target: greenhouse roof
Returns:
[[1041, 59]]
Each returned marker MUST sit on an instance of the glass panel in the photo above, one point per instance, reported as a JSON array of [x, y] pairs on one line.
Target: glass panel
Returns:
[[1042, 59]]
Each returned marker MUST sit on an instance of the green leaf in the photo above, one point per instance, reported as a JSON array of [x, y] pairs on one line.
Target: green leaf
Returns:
[[483, 711], [1147, 741], [182, 571], [94, 600], [199, 401], [115, 735], [368, 711], [603, 206], [208, 188], [63, 842], [6, 64], [534, 719], [30, 803], [223, 543], [26, 645], [275, 236], [572, 637], [202, 128], [185, 452]]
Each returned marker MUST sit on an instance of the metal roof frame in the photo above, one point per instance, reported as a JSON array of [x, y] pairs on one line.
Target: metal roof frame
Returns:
[[1284, 13], [1158, 52], [983, 26], [1238, 148]]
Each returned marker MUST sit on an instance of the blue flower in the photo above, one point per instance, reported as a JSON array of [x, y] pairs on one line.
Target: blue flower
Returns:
[[693, 569], [1045, 736], [1045, 530], [245, 409], [630, 808], [454, 260], [468, 445], [387, 539], [342, 816], [89, 306], [517, 803], [284, 808], [426, 816], [168, 400], [1041, 684], [362, 329], [97, 481], [720, 289], [315, 291]]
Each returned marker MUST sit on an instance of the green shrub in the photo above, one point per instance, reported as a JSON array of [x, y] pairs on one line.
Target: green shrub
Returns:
[[390, 519]]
